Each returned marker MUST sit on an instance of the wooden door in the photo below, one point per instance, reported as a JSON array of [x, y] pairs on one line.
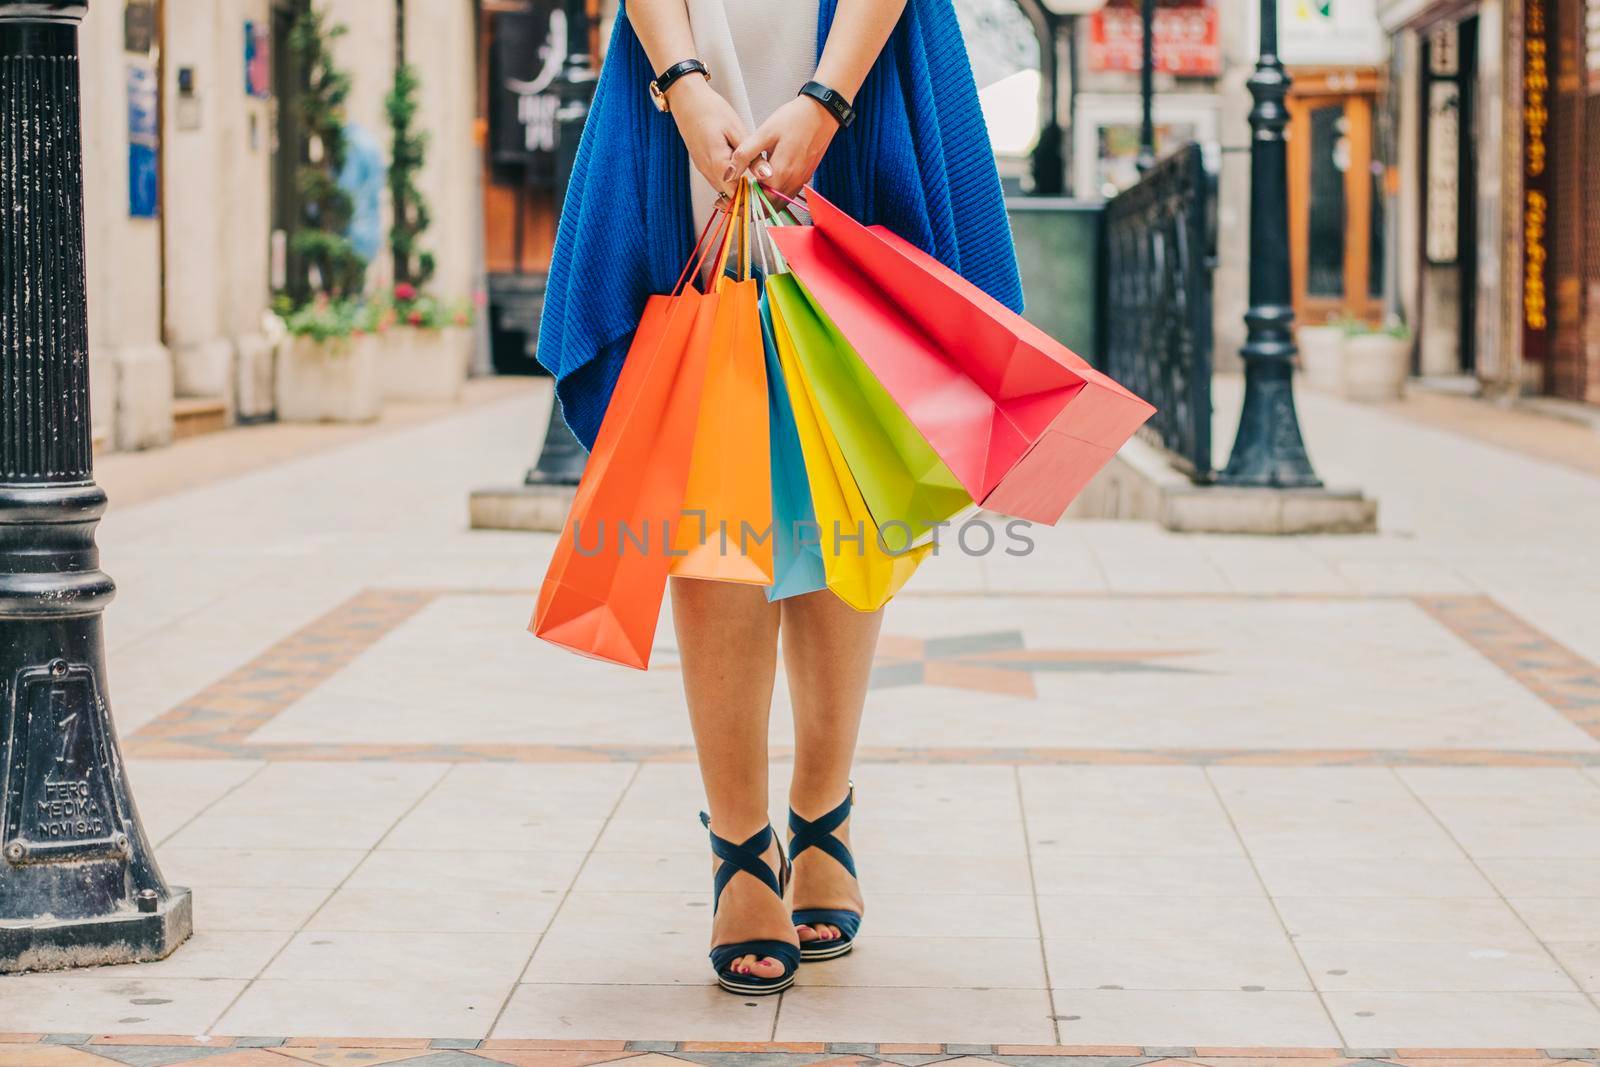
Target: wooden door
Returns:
[[1335, 199]]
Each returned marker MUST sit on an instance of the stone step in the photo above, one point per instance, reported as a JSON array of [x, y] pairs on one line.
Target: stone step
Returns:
[[196, 415]]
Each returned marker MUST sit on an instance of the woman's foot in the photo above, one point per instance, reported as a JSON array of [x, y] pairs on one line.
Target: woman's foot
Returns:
[[748, 910], [821, 880]]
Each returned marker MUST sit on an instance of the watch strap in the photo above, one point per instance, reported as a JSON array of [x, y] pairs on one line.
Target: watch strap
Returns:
[[669, 77], [833, 100]]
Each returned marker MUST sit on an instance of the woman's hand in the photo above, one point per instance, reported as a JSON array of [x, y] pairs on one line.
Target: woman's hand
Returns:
[[710, 128], [794, 140]]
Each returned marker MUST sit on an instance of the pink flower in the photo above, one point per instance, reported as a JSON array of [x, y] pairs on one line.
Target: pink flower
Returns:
[[461, 318], [480, 299], [415, 318], [405, 291]]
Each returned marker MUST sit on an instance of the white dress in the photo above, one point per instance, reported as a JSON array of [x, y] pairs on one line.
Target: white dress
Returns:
[[759, 52]]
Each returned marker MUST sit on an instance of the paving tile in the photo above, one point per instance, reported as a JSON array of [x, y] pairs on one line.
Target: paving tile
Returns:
[[1582, 961], [1058, 873], [435, 869], [338, 828], [1450, 919], [224, 908], [413, 956], [592, 955], [563, 789], [77, 1001], [657, 1012], [1466, 1020], [933, 962], [1431, 967], [171, 792], [1175, 964], [1088, 832], [441, 909], [1561, 918], [238, 868], [1147, 918], [549, 1058], [663, 872], [1502, 811], [1543, 877], [211, 954], [379, 1007], [426, 828], [1358, 876], [286, 787], [1093, 1016], [945, 1015], [41, 1056], [916, 914]]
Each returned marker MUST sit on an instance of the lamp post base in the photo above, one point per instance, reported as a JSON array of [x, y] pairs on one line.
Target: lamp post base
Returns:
[[135, 936]]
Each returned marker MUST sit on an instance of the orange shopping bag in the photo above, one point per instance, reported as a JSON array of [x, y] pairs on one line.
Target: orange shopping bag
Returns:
[[602, 594], [725, 531]]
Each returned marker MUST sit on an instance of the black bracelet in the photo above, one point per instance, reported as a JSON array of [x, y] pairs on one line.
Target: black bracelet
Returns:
[[834, 101], [669, 77]]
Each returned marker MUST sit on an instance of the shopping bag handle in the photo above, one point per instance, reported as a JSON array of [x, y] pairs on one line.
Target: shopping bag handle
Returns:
[[788, 201], [719, 221], [770, 219]]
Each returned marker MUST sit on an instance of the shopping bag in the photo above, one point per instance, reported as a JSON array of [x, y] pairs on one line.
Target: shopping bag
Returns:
[[797, 542], [602, 593], [725, 527], [1022, 422], [907, 488], [859, 568]]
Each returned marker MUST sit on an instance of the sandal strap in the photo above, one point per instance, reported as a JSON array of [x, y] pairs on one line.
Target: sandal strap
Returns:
[[818, 833], [746, 857], [786, 954], [848, 922]]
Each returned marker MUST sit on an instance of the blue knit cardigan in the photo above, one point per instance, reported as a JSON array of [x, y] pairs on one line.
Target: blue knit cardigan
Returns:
[[918, 161]]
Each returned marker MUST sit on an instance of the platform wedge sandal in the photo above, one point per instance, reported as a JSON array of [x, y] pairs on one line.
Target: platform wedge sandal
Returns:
[[819, 834], [747, 857]]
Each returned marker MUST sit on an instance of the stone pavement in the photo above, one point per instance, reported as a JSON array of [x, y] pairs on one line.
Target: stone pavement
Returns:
[[1132, 797]]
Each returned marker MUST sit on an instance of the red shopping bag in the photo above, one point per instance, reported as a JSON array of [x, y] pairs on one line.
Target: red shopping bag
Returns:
[[1022, 422], [602, 594]]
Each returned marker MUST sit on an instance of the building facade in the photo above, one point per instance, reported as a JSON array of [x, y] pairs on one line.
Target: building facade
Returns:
[[190, 187], [1497, 118]]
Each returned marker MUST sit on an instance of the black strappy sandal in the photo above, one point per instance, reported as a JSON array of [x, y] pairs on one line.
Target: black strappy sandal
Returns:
[[819, 834], [747, 857]]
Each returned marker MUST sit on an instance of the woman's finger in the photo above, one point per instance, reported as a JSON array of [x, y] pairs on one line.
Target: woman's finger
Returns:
[[748, 155]]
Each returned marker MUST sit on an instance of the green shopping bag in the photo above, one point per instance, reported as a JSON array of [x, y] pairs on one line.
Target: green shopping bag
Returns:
[[908, 489]]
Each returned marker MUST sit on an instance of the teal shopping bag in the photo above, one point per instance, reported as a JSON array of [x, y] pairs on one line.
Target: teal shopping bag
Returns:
[[796, 551]]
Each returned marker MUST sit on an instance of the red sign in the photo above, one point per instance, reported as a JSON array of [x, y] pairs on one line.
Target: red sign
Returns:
[[1186, 41]]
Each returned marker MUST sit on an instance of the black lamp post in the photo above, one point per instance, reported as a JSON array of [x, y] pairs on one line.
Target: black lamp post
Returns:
[[1147, 87], [1268, 450], [78, 883], [561, 458]]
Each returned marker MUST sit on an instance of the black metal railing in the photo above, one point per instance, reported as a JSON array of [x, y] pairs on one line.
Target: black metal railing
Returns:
[[1157, 306]]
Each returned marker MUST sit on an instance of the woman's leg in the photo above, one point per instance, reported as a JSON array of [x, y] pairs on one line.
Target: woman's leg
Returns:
[[827, 653], [728, 641]]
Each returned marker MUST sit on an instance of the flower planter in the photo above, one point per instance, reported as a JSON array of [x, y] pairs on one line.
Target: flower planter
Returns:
[[1376, 366], [329, 381], [1322, 357], [428, 366]]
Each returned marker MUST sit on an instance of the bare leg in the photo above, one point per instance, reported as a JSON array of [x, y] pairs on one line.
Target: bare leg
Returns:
[[827, 652], [727, 640]]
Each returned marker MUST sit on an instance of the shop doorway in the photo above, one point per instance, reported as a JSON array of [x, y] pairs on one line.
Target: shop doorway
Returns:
[[1336, 233]]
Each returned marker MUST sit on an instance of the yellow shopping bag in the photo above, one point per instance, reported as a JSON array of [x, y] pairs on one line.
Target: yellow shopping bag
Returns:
[[859, 568]]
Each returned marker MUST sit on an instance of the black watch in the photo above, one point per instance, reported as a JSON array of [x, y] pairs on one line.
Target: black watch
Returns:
[[669, 77], [834, 101]]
